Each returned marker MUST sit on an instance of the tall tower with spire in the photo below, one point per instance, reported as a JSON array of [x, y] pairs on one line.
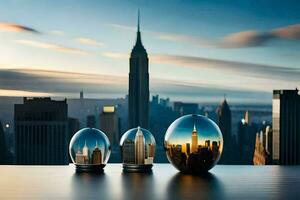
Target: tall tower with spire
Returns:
[[139, 142], [224, 122], [194, 140], [138, 84]]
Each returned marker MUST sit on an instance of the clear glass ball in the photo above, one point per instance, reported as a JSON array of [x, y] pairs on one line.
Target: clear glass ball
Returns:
[[89, 149], [193, 144], [137, 149]]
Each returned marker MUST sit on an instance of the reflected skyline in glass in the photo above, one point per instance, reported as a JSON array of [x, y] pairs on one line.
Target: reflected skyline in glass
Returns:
[[193, 143]]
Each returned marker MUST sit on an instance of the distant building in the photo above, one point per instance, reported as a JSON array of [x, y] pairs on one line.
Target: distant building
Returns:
[[286, 127], [246, 141], [138, 84], [164, 102], [41, 132], [73, 126], [81, 94], [185, 108], [155, 100], [81, 108], [109, 123], [91, 121]]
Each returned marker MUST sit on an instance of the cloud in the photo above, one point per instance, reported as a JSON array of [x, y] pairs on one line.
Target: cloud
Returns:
[[54, 47], [21, 93], [255, 38], [288, 32], [89, 41], [68, 84], [243, 39], [57, 32], [222, 66], [230, 67], [11, 27], [195, 40], [123, 27], [115, 55]]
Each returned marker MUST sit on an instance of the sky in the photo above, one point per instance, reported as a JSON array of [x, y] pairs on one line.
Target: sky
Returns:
[[198, 50], [180, 132]]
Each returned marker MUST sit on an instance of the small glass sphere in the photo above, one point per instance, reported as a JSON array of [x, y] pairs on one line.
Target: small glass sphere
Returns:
[[193, 144], [89, 150], [137, 150]]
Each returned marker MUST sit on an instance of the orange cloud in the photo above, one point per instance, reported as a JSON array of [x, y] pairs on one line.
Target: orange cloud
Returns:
[[288, 32], [11, 27]]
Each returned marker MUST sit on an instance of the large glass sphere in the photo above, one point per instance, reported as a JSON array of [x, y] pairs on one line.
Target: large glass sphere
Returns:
[[89, 149], [137, 150], [193, 144]]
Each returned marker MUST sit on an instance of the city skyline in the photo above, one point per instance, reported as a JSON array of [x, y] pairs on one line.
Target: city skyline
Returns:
[[186, 130], [227, 56]]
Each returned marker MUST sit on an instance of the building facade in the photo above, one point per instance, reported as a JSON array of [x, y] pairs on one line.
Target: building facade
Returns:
[[109, 123], [41, 132], [286, 127]]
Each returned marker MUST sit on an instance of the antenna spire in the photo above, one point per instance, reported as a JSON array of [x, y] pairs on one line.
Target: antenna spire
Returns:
[[138, 25]]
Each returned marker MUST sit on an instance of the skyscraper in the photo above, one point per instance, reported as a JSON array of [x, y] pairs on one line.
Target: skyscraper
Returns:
[[85, 150], [128, 152], [224, 122], [138, 84], [139, 147], [41, 132], [96, 155], [286, 127], [109, 123], [194, 140]]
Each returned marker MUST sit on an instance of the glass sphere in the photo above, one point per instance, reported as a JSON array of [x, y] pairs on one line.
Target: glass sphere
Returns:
[[89, 149], [193, 144], [137, 150]]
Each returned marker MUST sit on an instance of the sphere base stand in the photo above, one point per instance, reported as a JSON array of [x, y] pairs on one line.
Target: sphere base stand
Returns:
[[132, 168], [90, 168]]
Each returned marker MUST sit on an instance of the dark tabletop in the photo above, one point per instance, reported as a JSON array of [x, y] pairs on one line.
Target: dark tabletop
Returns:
[[223, 182]]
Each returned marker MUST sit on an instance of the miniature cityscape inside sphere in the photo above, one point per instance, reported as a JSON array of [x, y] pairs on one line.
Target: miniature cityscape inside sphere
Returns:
[[137, 150], [193, 144], [89, 149]]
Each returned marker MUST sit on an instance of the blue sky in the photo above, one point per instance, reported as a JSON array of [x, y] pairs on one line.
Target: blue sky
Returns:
[[198, 50]]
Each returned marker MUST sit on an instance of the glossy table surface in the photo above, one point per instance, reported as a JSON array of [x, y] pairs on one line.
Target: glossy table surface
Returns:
[[223, 182]]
